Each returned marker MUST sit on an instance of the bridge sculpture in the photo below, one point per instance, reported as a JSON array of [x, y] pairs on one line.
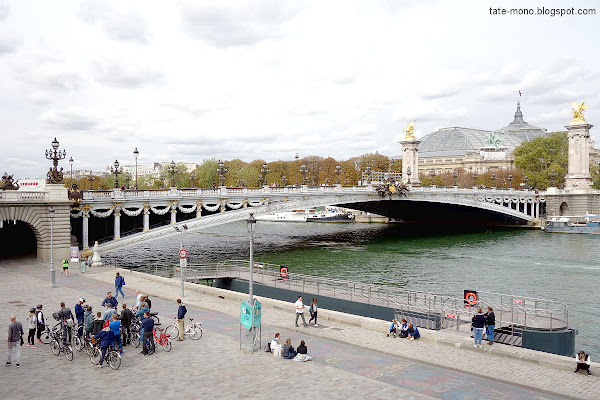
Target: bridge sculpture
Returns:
[[234, 204]]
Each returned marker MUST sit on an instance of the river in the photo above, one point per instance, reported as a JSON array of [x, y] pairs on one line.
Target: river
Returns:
[[560, 267]]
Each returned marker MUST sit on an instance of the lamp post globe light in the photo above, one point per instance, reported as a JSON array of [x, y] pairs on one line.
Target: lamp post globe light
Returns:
[[369, 173], [136, 153], [296, 169], [91, 178], [510, 178], [338, 171], [171, 170], [221, 171], [55, 176], [264, 171], [116, 170], [52, 270]]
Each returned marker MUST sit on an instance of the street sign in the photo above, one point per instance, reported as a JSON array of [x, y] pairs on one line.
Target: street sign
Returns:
[[182, 253]]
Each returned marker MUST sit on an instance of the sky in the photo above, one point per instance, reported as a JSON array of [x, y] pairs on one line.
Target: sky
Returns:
[[266, 79]]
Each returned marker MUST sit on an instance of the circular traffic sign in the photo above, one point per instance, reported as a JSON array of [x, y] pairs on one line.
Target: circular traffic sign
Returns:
[[182, 253]]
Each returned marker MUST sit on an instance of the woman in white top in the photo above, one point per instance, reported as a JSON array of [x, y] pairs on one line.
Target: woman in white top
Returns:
[[32, 322]]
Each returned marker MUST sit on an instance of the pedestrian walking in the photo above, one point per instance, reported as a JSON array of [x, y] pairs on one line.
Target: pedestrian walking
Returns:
[[148, 326], [41, 323], [490, 325], [109, 299], [65, 267], [15, 340], [119, 282], [300, 310], [88, 321], [32, 325], [79, 313], [583, 362], [126, 317], [66, 322], [313, 309], [478, 323], [181, 311], [106, 337]]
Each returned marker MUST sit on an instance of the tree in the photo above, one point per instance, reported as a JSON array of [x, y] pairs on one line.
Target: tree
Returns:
[[544, 160], [206, 173]]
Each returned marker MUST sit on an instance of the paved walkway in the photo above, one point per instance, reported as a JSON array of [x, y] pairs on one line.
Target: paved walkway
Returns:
[[345, 362]]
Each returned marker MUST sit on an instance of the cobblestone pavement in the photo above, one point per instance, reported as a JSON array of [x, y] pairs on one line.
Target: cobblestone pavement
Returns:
[[215, 367]]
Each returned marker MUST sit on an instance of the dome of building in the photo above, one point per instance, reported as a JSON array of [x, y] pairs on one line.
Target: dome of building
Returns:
[[521, 129], [458, 141]]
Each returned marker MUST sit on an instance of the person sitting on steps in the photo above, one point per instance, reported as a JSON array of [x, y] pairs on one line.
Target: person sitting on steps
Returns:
[[413, 332], [404, 329], [288, 349], [583, 362], [393, 328]]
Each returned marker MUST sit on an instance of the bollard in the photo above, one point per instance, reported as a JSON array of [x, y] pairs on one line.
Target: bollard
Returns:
[[83, 266]]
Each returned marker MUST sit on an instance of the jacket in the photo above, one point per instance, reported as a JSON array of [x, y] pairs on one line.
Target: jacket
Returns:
[[147, 324], [66, 314], [478, 321], [88, 320], [126, 316], [490, 318], [15, 331], [97, 326], [112, 301], [302, 349], [119, 281], [115, 326], [288, 351], [181, 311], [414, 331], [141, 311], [109, 313], [79, 312], [107, 338]]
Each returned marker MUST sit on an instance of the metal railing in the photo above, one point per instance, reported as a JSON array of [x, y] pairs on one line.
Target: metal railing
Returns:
[[514, 312]]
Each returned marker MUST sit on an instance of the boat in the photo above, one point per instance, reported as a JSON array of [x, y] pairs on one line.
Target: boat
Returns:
[[287, 216], [589, 223], [310, 215]]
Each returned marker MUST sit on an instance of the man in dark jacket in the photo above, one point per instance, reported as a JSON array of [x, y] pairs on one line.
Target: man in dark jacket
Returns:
[[119, 282], [88, 321], [126, 317], [181, 311], [15, 335], [79, 311], [490, 324], [66, 322], [148, 325], [106, 338], [97, 324], [110, 300]]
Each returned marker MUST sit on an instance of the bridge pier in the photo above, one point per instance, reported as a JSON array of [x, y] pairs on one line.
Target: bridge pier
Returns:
[[85, 227], [117, 225], [173, 214], [146, 218]]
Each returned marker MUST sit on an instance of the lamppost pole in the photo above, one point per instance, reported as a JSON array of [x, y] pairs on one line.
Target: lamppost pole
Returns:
[[296, 170], [171, 170], [510, 178], [408, 173], [493, 180], [221, 171], [369, 173], [116, 170], [182, 261], [264, 171], [475, 178], [303, 171], [71, 163], [455, 175], [251, 228], [136, 153], [52, 270], [338, 171]]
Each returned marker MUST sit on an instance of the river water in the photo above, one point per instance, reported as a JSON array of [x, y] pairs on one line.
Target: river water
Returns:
[[560, 267]]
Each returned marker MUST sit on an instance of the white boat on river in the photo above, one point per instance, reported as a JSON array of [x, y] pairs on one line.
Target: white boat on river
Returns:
[[310, 215]]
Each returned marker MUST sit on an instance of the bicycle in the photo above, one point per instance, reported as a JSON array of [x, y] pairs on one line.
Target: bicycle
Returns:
[[112, 357], [193, 330], [58, 346], [46, 336], [163, 339]]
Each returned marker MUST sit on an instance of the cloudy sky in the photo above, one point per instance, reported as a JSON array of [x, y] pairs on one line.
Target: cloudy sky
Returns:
[[188, 80]]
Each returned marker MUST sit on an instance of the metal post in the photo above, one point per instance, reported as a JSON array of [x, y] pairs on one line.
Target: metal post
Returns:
[[52, 270], [181, 267]]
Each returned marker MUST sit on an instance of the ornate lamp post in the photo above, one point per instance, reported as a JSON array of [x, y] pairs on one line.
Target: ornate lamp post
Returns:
[[525, 184], [455, 175], [296, 169], [475, 178], [183, 261], [171, 170], [221, 170], [116, 170], [493, 179], [264, 171], [91, 178], [369, 173], [338, 171], [303, 171], [55, 175], [71, 164], [432, 175], [136, 153], [52, 270], [510, 178], [251, 222]]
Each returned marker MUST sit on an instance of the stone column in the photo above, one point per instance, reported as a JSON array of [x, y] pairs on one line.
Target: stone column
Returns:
[[410, 159], [198, 210], [117, 230], [85, 218], [578, 176], [173, 214], [146, 217]]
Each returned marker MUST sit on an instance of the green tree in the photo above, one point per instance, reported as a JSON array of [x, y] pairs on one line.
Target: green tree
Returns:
[[544, 160], [206, 173]]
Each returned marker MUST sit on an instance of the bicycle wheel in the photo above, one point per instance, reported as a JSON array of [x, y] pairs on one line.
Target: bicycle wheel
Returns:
[[55, 347], [135, 339], [172, 330], [78, 343], [195, 332], [69, 353], [95, 356], [156, 319], [114, 359], [166, 344], [45, 337], [88, 348]]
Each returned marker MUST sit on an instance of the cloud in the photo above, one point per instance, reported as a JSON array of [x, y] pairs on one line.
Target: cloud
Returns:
[[48, 73], [125, 75], [4, 8], [127, 25], [429, 112], [70, 118], [238, 22], [8, 40]]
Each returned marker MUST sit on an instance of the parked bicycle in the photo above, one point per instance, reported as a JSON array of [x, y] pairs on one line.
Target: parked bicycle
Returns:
[[193, 330], [112, 357], [58, 345], [46, 336], [163, 339]]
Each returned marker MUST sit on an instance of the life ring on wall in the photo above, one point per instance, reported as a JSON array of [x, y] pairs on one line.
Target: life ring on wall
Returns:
[[471, 298]]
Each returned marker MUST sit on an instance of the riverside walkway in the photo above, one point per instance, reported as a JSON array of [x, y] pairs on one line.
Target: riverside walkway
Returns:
[[352, 357]]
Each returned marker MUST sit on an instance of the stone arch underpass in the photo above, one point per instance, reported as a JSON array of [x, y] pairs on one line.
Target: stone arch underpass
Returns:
[[419, 207]]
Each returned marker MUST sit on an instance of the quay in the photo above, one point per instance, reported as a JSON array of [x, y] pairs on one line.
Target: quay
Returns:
[[351, 354]]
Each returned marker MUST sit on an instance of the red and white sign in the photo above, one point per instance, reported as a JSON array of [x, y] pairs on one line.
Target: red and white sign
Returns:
[[453, 316], [518, 301], [182, 253]]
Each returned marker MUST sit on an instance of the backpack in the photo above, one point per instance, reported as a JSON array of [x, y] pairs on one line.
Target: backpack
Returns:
[[268, 348], [123, 281]]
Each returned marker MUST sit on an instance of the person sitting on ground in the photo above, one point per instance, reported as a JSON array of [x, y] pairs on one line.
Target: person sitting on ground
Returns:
[[276, 345], [583, 362], [302, 354], [288, 349], [404, 329], [413, 332], [107, 338], [393, 328]]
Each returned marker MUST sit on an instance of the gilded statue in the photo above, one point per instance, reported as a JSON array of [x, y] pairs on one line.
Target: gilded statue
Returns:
[[578, 109], [410, 131]]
